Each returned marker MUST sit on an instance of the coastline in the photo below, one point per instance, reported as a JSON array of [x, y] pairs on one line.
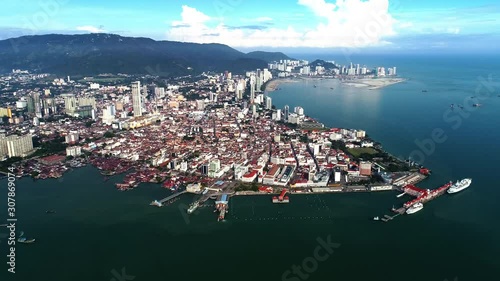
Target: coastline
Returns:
[[274, 84], [372, 83], [367, 83]]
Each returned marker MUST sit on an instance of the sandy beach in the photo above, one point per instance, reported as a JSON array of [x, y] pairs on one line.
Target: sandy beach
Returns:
[[373, 83], [273, 85]]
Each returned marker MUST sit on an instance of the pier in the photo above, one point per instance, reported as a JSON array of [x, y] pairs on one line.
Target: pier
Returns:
[[161, 202], [422, 196]]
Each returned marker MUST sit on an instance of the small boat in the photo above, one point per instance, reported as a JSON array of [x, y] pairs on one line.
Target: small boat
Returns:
[[424, 91], [476, 105], [452, 105], [50, 212], [376, 218], [25, 240], [1, 225]]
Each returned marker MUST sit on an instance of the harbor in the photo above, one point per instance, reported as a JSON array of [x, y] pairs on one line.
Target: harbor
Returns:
[[422, 196]]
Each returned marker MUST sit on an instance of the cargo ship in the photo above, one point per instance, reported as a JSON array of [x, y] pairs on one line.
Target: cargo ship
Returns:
[[460, 185], [415, 208], [281, 198]]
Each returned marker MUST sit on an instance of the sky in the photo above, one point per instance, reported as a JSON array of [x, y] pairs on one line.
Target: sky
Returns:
[[280, 25]]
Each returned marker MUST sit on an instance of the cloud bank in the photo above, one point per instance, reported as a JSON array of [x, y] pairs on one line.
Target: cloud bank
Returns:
[[345, 23]]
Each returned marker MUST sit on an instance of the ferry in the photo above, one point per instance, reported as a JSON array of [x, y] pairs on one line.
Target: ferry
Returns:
[[193, 207], [415, 208], [156, 203], [459, 186]]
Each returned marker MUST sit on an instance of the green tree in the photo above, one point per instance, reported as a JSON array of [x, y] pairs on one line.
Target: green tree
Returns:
[[109, 134]]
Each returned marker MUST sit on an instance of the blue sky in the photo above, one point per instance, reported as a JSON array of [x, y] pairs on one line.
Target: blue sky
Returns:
[[269, 25]]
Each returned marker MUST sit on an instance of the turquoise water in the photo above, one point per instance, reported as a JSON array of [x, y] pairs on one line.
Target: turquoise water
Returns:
[[98, 231]]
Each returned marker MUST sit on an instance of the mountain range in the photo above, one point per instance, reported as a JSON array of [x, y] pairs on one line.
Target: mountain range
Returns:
[[98, 53]]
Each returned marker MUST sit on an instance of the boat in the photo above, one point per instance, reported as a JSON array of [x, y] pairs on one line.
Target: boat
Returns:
[[2, 225], [459, 186], [376, 218], [424, 91], [22, 239], [205, 191], [193, 207], [25, 240], [50, 212], [156, 203], [476, 105], [415, 208]]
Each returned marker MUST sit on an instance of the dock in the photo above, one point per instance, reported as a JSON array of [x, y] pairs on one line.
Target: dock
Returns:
[[422, 196], [160, 203]]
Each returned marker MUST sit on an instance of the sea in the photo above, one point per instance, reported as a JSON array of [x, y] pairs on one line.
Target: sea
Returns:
[[101, 234]]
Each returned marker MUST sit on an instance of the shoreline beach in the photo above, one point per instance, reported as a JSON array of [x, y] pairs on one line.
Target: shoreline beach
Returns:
[[368, 83], [373, 83], [274, 84]]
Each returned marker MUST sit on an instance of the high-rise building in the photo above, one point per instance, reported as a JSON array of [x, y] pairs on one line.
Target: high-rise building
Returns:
[[137, 98], [30, 103], [278, 115], [253, 82], [16, 146], [159, 92], [267, 75], [38, 105], [269, 103], [286, 112]]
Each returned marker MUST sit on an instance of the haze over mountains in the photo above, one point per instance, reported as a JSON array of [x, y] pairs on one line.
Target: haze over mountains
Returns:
[[92, 54]]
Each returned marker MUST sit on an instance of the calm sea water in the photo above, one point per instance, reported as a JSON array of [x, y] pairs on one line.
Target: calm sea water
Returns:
[[98, 232]]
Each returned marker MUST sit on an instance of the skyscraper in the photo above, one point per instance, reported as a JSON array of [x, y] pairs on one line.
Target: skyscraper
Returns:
[[16, 146], [269, 103], [286, 112], [38, 105], [137, 98]]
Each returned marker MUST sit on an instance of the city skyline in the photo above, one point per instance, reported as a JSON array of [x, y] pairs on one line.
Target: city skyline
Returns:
[[245, 25]]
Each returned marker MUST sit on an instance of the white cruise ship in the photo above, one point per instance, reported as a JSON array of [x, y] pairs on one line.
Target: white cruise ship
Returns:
[[415, 208], [460, 185]]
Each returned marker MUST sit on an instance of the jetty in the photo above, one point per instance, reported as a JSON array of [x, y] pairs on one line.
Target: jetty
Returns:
[[161, 203]]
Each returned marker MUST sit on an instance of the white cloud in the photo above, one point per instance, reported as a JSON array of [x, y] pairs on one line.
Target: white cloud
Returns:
[[347, 23], [263, 19], [91, 29]]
